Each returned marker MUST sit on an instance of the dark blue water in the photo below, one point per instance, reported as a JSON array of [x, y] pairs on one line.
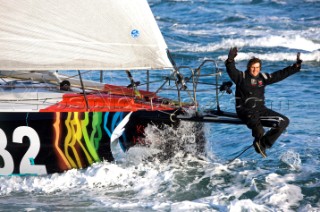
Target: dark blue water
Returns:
[[287, 180]]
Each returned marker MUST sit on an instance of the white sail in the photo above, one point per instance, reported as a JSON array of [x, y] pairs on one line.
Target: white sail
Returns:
[[80, 35]]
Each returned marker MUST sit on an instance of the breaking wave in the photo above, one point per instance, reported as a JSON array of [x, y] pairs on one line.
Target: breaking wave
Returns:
[[310, 49]]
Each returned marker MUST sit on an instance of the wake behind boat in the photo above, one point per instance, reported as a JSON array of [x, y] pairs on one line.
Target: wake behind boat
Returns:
[[53, 117]]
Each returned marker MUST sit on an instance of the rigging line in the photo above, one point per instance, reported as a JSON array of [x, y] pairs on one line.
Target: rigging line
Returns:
[[75, 75], [248, 147], [84, 91]]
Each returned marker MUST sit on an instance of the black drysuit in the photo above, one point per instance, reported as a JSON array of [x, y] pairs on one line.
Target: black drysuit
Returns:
[[250, 104]]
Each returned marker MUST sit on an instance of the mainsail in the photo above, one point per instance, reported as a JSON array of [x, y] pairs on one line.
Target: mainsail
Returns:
[[46, 35]]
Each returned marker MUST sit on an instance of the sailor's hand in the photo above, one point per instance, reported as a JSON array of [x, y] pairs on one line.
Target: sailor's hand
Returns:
[[299, 61], [232, 53]]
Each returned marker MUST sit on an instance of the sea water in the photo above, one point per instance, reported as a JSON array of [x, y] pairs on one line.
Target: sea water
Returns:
[[287, 180]]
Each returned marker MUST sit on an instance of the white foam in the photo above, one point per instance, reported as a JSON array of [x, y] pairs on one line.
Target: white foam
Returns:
[[189, 206], [154, 185], [279, 56], [104, 182], [286, 196], [98, 175], [290, 41], [276, 193], [292, 159], [246, 205], [280, 193]]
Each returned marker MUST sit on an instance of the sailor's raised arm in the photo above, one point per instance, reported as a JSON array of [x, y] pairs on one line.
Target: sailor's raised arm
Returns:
[[232, 71], [284, 73]]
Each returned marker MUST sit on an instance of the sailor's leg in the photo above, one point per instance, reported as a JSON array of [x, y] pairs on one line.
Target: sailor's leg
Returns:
[[252, 120], [273, 134]]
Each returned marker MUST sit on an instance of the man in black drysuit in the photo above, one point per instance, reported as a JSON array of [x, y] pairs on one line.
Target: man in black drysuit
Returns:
[[250, 107]]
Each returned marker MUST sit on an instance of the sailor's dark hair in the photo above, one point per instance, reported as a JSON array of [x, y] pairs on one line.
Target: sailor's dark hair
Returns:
[[253, 61]]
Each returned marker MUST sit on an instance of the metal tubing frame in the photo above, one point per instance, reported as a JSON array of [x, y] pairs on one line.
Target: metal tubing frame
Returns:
[[195, 75]]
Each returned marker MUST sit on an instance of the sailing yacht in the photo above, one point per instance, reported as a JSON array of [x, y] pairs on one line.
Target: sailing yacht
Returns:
[[59, 110], [51, 121]]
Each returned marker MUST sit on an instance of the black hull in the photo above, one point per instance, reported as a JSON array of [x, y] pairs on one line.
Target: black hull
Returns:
[[44, 142]]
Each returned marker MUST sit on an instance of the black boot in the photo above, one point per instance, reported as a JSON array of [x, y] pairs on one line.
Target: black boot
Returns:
[[259, 147]]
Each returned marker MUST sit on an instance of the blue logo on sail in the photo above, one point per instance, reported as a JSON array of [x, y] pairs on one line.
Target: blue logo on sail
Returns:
[[135, 33]]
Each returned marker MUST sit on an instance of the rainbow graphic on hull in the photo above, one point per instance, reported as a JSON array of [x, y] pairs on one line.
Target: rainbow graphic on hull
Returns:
[[48, 142]]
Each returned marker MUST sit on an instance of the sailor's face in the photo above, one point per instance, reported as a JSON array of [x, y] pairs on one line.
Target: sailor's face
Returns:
[[255, 69]]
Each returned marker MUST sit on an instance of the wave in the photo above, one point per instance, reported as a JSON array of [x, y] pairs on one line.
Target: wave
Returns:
[[160, 186], [279, 56], [184, 184], [291, 42], [276, 48]]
